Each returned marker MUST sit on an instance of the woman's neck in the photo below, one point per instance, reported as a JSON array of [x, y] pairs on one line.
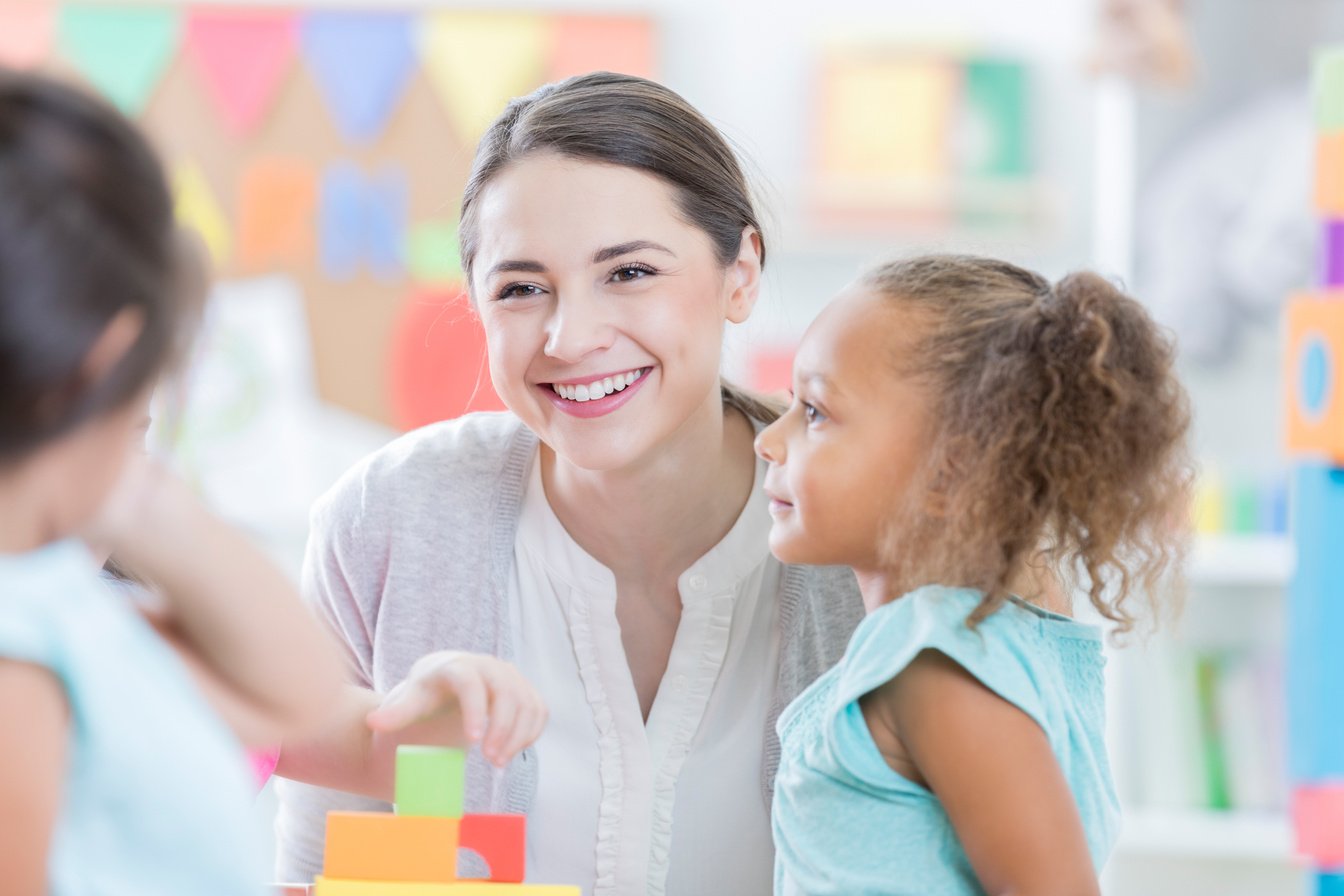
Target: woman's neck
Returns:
[[23, 525], [653, 519]]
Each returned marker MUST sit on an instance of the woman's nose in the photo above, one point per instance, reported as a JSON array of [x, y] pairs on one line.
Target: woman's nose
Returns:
[[577, 327]]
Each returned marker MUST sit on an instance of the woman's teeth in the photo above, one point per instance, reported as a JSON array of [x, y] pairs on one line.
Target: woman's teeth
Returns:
[[599, 389]]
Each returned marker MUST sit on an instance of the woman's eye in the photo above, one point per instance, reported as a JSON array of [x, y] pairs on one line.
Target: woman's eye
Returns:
[[630, 273], [519, 291]]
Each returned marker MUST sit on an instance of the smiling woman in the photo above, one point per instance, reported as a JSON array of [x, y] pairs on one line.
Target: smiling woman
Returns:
[[609, 533]]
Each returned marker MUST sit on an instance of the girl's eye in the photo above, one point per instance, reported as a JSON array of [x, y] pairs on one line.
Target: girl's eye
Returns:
[[519, 291], [811, 413], [631, 272]]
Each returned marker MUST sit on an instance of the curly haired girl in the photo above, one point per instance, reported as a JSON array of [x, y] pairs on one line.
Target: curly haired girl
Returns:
[[960, 428]]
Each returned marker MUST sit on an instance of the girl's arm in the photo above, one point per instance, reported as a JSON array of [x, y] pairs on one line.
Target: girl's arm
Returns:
[[991, 767], [33, 747], [230, 607], [449, 698]]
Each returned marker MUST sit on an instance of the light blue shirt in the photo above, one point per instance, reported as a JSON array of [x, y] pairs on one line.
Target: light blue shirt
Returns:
[[156, 797], [846, 823]]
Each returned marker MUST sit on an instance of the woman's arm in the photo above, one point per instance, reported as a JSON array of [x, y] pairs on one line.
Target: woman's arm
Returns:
[[991, 767], [449, 698], [33, 747]]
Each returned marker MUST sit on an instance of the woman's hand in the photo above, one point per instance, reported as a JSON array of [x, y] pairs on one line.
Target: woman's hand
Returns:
[[464, 698]]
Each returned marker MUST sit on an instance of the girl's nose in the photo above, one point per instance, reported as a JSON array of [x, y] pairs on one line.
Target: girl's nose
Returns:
[[769, 445]]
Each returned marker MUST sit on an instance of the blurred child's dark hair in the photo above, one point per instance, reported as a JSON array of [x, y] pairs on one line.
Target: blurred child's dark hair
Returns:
[[1060, 434], [86, 231]]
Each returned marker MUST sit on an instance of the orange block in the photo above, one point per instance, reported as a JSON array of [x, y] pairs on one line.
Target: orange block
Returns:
[[1330, 173], [387, 847], [1313, 377]]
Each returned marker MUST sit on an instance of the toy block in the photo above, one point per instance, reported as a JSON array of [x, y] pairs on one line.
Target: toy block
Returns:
[[501, 840], [1318, 819], [1315, 662], [1329, 885], [1313, 376], [1329, 188], [1332, 253], [385, 847], [430, 781], [326, 886], [1328, 89]]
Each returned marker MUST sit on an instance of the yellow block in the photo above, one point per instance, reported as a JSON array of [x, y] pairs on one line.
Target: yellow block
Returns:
[[330, 887], [380, 846]]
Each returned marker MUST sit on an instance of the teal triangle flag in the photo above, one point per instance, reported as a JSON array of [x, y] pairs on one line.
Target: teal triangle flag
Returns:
[[122, 50]]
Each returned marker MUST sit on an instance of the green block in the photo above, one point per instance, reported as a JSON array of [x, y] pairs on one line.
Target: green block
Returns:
[[434, 253], [430, 781], [1328, 89]]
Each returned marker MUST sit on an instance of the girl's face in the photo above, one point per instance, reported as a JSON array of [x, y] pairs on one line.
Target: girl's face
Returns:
[[849, 449], [603, 308]]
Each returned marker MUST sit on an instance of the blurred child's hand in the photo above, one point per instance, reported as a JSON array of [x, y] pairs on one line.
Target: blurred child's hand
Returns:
[[479, 698]]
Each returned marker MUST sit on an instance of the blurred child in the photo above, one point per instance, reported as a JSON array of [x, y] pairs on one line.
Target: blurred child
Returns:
[[961, 425], [117, 778]]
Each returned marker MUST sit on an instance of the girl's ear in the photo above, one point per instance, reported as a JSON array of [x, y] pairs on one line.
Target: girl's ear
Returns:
[[112, 344], [745, 277]]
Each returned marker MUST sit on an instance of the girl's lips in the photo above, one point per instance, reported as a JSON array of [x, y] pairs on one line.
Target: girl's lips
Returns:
[[595, 407]]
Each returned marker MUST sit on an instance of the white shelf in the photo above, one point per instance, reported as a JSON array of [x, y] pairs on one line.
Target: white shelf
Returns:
[[1248, 561], [1250, 836]]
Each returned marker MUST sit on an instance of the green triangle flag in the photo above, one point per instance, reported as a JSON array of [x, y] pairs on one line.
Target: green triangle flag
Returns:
[[122, 50]]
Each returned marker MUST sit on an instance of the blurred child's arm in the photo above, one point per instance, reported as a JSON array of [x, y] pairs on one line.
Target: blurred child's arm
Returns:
[[33, 747], [991, 767], [230, 606], [449, 698]]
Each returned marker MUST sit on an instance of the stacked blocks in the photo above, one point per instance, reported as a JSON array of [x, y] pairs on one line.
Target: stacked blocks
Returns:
[[413, 852], [1314, 403]]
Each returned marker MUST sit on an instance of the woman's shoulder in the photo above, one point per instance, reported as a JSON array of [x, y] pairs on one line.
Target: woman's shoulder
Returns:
[[470, 456]]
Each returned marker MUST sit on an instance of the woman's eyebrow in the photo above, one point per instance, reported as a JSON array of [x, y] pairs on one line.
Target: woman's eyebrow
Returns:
[[515, 265], [611, 252]]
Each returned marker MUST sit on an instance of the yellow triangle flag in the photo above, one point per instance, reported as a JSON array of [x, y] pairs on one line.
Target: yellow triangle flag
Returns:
[[198, 210], [480, 61]]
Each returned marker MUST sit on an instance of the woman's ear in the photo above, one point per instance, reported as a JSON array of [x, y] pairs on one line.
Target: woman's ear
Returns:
[[745, 277]]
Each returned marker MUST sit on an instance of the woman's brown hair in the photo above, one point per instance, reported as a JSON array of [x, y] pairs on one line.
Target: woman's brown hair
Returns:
[[634, 123], [1060, 433]]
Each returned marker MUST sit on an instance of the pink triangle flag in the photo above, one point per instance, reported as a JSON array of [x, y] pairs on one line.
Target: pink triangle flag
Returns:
[[242, 55]]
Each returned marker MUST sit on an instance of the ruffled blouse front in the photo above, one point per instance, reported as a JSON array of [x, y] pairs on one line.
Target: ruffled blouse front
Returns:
[[673, 806]]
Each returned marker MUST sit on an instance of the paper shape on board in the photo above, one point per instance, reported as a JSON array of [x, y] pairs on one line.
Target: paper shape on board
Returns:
[[122, 50], [994, 127], [199, 210], [276, 200], [885, 127], [433, 253], [437, 363], [361, 220], [479, 61], [623, 44], [362, 62], [26, 28], [772, 371], [243, 56]]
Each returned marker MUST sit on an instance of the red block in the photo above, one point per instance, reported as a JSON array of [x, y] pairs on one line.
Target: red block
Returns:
[[1318, 818], [498, 839]]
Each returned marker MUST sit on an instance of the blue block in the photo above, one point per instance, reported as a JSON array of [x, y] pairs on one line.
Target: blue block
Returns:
[[1329, 885], [1316, 626]]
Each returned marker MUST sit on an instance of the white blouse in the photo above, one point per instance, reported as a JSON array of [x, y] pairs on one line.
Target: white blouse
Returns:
[[673, 806]]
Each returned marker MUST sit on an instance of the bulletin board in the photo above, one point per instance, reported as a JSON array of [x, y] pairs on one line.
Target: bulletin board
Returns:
[[331, 145]]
